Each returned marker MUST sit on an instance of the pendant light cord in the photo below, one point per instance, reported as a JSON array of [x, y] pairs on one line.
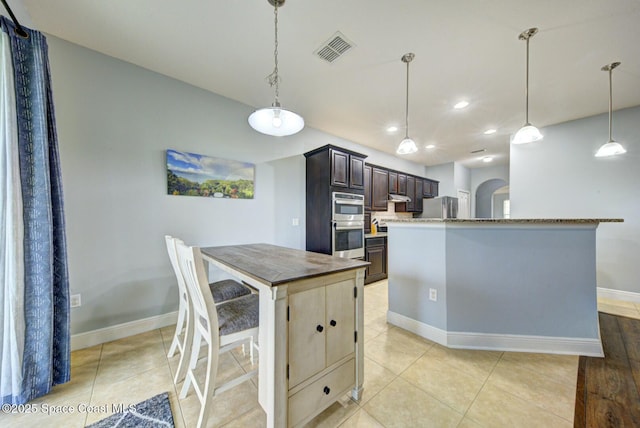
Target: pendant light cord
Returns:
[[526, 89], [610, 102], [406, 116], [274, 78]]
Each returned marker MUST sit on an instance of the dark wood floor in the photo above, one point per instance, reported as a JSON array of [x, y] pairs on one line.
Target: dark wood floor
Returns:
[[608, 390]]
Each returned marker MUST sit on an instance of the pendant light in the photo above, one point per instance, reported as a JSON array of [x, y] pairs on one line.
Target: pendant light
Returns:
[[275, 120], [407, 146], [611, 148], [528, 133]]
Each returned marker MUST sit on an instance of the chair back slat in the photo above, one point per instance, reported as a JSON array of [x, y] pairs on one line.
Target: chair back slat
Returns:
[[173, 257], [192, 267]]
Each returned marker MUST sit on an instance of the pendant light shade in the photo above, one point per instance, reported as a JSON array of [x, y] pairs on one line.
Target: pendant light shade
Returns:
[[610, 148], [528, 133], [407, 146], [275, 120]]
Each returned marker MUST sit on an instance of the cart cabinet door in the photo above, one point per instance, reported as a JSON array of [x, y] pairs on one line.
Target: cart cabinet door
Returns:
[[340, 320], [307, 331]]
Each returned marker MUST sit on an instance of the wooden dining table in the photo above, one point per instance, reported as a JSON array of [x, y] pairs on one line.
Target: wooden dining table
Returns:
[[311, 332]]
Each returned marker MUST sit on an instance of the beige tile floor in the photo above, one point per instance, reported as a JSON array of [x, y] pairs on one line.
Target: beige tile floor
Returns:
[[409, 382]]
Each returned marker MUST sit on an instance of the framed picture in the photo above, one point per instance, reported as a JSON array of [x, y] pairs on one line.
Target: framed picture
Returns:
[[190, 174]]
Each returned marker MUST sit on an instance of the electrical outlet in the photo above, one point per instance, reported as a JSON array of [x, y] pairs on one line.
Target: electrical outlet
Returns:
[[75, 300], [295, 222], [433, 294]]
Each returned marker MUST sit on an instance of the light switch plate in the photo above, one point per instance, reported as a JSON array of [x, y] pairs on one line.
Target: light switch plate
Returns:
[[75, 300]]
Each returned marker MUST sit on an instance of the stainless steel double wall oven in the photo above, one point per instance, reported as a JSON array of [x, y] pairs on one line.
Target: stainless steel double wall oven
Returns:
[[347, 224]]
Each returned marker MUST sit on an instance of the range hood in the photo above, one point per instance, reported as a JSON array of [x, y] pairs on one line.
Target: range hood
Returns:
[[398, 198]]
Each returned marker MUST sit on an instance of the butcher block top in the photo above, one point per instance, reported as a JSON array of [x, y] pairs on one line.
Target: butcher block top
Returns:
[[274, 265]]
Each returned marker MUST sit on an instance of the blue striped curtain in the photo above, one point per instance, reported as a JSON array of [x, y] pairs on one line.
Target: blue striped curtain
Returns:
[[45, 309]]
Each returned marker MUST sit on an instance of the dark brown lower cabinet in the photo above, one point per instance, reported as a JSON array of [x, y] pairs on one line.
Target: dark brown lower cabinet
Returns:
[[375, 252]]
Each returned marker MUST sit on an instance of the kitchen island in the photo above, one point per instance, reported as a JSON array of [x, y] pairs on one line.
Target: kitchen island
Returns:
[[500, 284], [311, 332]]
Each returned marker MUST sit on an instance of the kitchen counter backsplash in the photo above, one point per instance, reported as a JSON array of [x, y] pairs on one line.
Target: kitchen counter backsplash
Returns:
[[389, 214]]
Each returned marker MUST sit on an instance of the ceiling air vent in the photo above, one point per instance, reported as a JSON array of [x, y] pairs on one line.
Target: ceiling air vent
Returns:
[[333, 48]]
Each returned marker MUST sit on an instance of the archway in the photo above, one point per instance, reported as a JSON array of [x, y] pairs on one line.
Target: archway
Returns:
[[484, 196]]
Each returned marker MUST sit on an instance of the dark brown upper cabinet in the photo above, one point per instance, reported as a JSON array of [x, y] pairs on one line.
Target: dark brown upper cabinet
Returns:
[[418, 205], [341, 169], [415, 191], [393, 182], [379, 189], [356, 172], [430, 188], [347, 169], [402, 184], [411, 193], [367, 188], [434, 189]]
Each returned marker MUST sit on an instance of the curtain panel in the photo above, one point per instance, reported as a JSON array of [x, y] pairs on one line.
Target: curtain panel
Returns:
[[44, 310]]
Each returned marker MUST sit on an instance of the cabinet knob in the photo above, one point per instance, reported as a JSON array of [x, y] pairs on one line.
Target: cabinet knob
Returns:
[[326, 390], [319, 328], [333, 323]]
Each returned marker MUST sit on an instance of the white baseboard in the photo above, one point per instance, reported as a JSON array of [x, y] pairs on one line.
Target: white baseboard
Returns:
[[520, 343], [627, 296], [115, 332], [421, 329], [499, 342]]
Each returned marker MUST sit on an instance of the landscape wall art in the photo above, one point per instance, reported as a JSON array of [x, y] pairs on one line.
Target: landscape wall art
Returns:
[[190, 174]]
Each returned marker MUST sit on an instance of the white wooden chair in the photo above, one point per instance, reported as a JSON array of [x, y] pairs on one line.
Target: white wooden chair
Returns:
[[222, 291], [221, 327]]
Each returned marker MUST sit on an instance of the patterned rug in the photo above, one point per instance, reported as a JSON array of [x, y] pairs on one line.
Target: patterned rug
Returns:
[[152, 413]]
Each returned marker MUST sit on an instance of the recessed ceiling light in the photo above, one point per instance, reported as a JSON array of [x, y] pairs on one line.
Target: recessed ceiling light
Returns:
[[490, 131], [430, 146], [461, 104], [392, 129], [487, 159]]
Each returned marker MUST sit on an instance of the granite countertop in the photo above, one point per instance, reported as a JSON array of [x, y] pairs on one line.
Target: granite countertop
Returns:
[[508, 220], [274, 265]]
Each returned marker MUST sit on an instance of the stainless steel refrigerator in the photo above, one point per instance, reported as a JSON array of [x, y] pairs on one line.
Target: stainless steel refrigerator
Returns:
[[440, 207]]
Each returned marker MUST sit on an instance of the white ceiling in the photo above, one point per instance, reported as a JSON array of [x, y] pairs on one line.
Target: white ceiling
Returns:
[[465, 49]]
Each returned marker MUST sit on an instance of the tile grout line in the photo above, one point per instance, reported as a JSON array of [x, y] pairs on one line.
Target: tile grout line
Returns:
[[535, 404], [93, 384], [427, 392], [481, 388], [392, 380], [548, 378]]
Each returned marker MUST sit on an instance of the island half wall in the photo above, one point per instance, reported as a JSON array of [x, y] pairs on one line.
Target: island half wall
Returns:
[[500, 284]]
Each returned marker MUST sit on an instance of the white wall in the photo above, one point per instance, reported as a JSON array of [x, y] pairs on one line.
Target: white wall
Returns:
[[115, 121], [461, 177], [445, 174], [480, 175], [452, 176], [560, 177]]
